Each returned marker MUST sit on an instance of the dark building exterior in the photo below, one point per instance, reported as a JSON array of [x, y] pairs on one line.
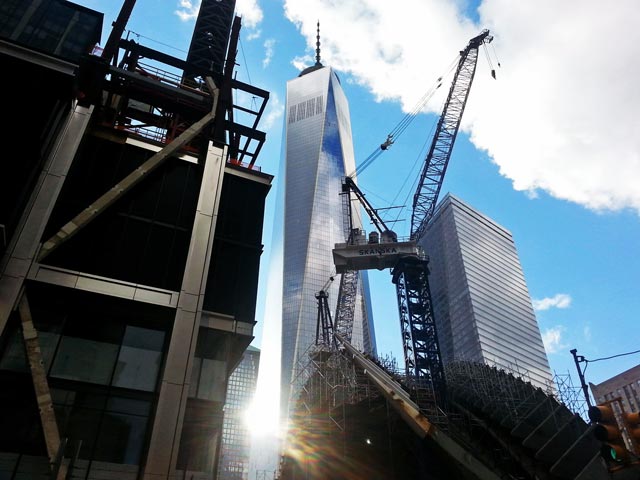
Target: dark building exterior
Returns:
[[131, 220]]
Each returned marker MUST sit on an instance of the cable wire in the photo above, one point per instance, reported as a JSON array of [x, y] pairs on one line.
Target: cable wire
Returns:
[[156, 41], [613, 356], [405, 121], [245, 60]]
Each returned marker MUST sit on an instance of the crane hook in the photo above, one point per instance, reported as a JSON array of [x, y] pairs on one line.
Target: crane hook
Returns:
[[388, 142]]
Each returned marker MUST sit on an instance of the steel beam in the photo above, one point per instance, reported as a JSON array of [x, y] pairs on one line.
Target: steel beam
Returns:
[[117, 191], [40, 384]]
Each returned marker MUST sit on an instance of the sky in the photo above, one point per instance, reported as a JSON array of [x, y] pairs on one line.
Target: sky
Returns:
[[549, 149]]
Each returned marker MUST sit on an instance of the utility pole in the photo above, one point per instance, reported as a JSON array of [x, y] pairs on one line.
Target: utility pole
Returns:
[[578, 359]]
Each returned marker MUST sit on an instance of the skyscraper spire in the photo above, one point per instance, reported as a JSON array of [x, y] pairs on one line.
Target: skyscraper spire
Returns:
[[318, 46], [317, 65]]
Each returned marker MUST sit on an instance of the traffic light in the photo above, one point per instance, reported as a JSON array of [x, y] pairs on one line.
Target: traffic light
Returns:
[[632, 425], [608, 432]]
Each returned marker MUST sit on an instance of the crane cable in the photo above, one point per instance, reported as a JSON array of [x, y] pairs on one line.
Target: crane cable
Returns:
[[424, 146], [405, 121]]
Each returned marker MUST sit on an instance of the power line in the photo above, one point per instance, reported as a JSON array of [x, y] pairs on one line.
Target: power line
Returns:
[[612, 356]]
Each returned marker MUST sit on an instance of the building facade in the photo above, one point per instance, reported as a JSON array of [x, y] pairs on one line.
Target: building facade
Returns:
[[129, 275], [481, 302], [234, 456], [318, 154], [625, 385], [623, 391]]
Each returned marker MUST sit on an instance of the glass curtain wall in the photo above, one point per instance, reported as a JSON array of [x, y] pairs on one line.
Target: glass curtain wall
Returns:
[[318, 154]]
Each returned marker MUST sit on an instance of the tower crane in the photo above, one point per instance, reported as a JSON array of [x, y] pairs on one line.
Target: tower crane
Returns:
[[410, 275], [409, 267]]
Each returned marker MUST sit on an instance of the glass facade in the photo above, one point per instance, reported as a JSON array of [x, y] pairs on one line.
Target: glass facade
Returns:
[[318, 154], [234, 458], [482, 306], [102, 367]]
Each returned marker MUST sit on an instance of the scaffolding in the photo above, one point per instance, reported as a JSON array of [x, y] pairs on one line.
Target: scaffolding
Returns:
[[571, 395], [494, 419]]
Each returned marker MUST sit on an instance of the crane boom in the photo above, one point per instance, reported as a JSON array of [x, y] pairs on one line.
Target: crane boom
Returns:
[[436, 161], [410, 274]]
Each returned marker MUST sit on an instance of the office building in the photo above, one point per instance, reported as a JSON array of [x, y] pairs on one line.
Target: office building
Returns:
[[318, 154], [623, 391], [625, 386], [234, 456], [129, 275], [481, 302]]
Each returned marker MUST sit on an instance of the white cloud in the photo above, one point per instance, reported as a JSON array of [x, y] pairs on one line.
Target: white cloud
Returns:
[[274, 112], [552, 339], [188, 10], [587, 333], [254, 34], [561, 116], [248, 10], [268, 52], [561, 300]]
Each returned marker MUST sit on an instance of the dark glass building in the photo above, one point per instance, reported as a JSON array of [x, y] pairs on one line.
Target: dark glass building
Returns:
[[132, 241]]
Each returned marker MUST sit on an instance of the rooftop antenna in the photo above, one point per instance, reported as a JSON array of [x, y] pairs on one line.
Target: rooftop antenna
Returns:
[[318, 46]]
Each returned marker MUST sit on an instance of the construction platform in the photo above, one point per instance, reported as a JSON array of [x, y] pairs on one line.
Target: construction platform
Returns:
[[371, 255]]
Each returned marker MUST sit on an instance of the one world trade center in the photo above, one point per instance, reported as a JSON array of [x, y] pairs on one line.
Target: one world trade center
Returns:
[[318, 155]]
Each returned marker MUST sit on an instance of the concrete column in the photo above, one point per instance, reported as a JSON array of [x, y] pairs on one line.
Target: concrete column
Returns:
[[174, 389], [26, 240]]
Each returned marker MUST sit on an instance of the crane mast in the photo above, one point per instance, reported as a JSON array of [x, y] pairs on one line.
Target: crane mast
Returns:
[[420, 341]]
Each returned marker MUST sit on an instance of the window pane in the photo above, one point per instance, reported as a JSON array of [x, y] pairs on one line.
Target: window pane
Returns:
[[212, 380], [195, 375], [48, 344], [121, 438], [139, 359], [85, 360], [14, 356], [79, 425]]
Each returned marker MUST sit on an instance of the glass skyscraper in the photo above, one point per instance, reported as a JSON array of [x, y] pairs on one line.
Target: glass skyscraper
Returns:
[[481, 302], [318, 154]]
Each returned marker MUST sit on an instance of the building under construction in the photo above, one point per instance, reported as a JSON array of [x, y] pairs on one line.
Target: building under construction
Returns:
[[131, 216], [359, 417]]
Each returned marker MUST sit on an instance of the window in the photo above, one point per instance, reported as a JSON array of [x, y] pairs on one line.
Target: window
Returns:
[[111, 428], [139, 359], [85, 360]]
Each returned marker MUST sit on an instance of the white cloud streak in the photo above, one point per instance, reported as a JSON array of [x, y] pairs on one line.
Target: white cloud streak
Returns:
[[275, 110], [561, 116], [561, 300], [268, 52], [552, 340]]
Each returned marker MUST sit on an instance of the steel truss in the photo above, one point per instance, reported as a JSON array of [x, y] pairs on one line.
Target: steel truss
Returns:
[[436, 161], [417, 324]]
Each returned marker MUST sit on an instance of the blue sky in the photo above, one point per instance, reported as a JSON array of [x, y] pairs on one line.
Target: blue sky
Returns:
[[550, 149]]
